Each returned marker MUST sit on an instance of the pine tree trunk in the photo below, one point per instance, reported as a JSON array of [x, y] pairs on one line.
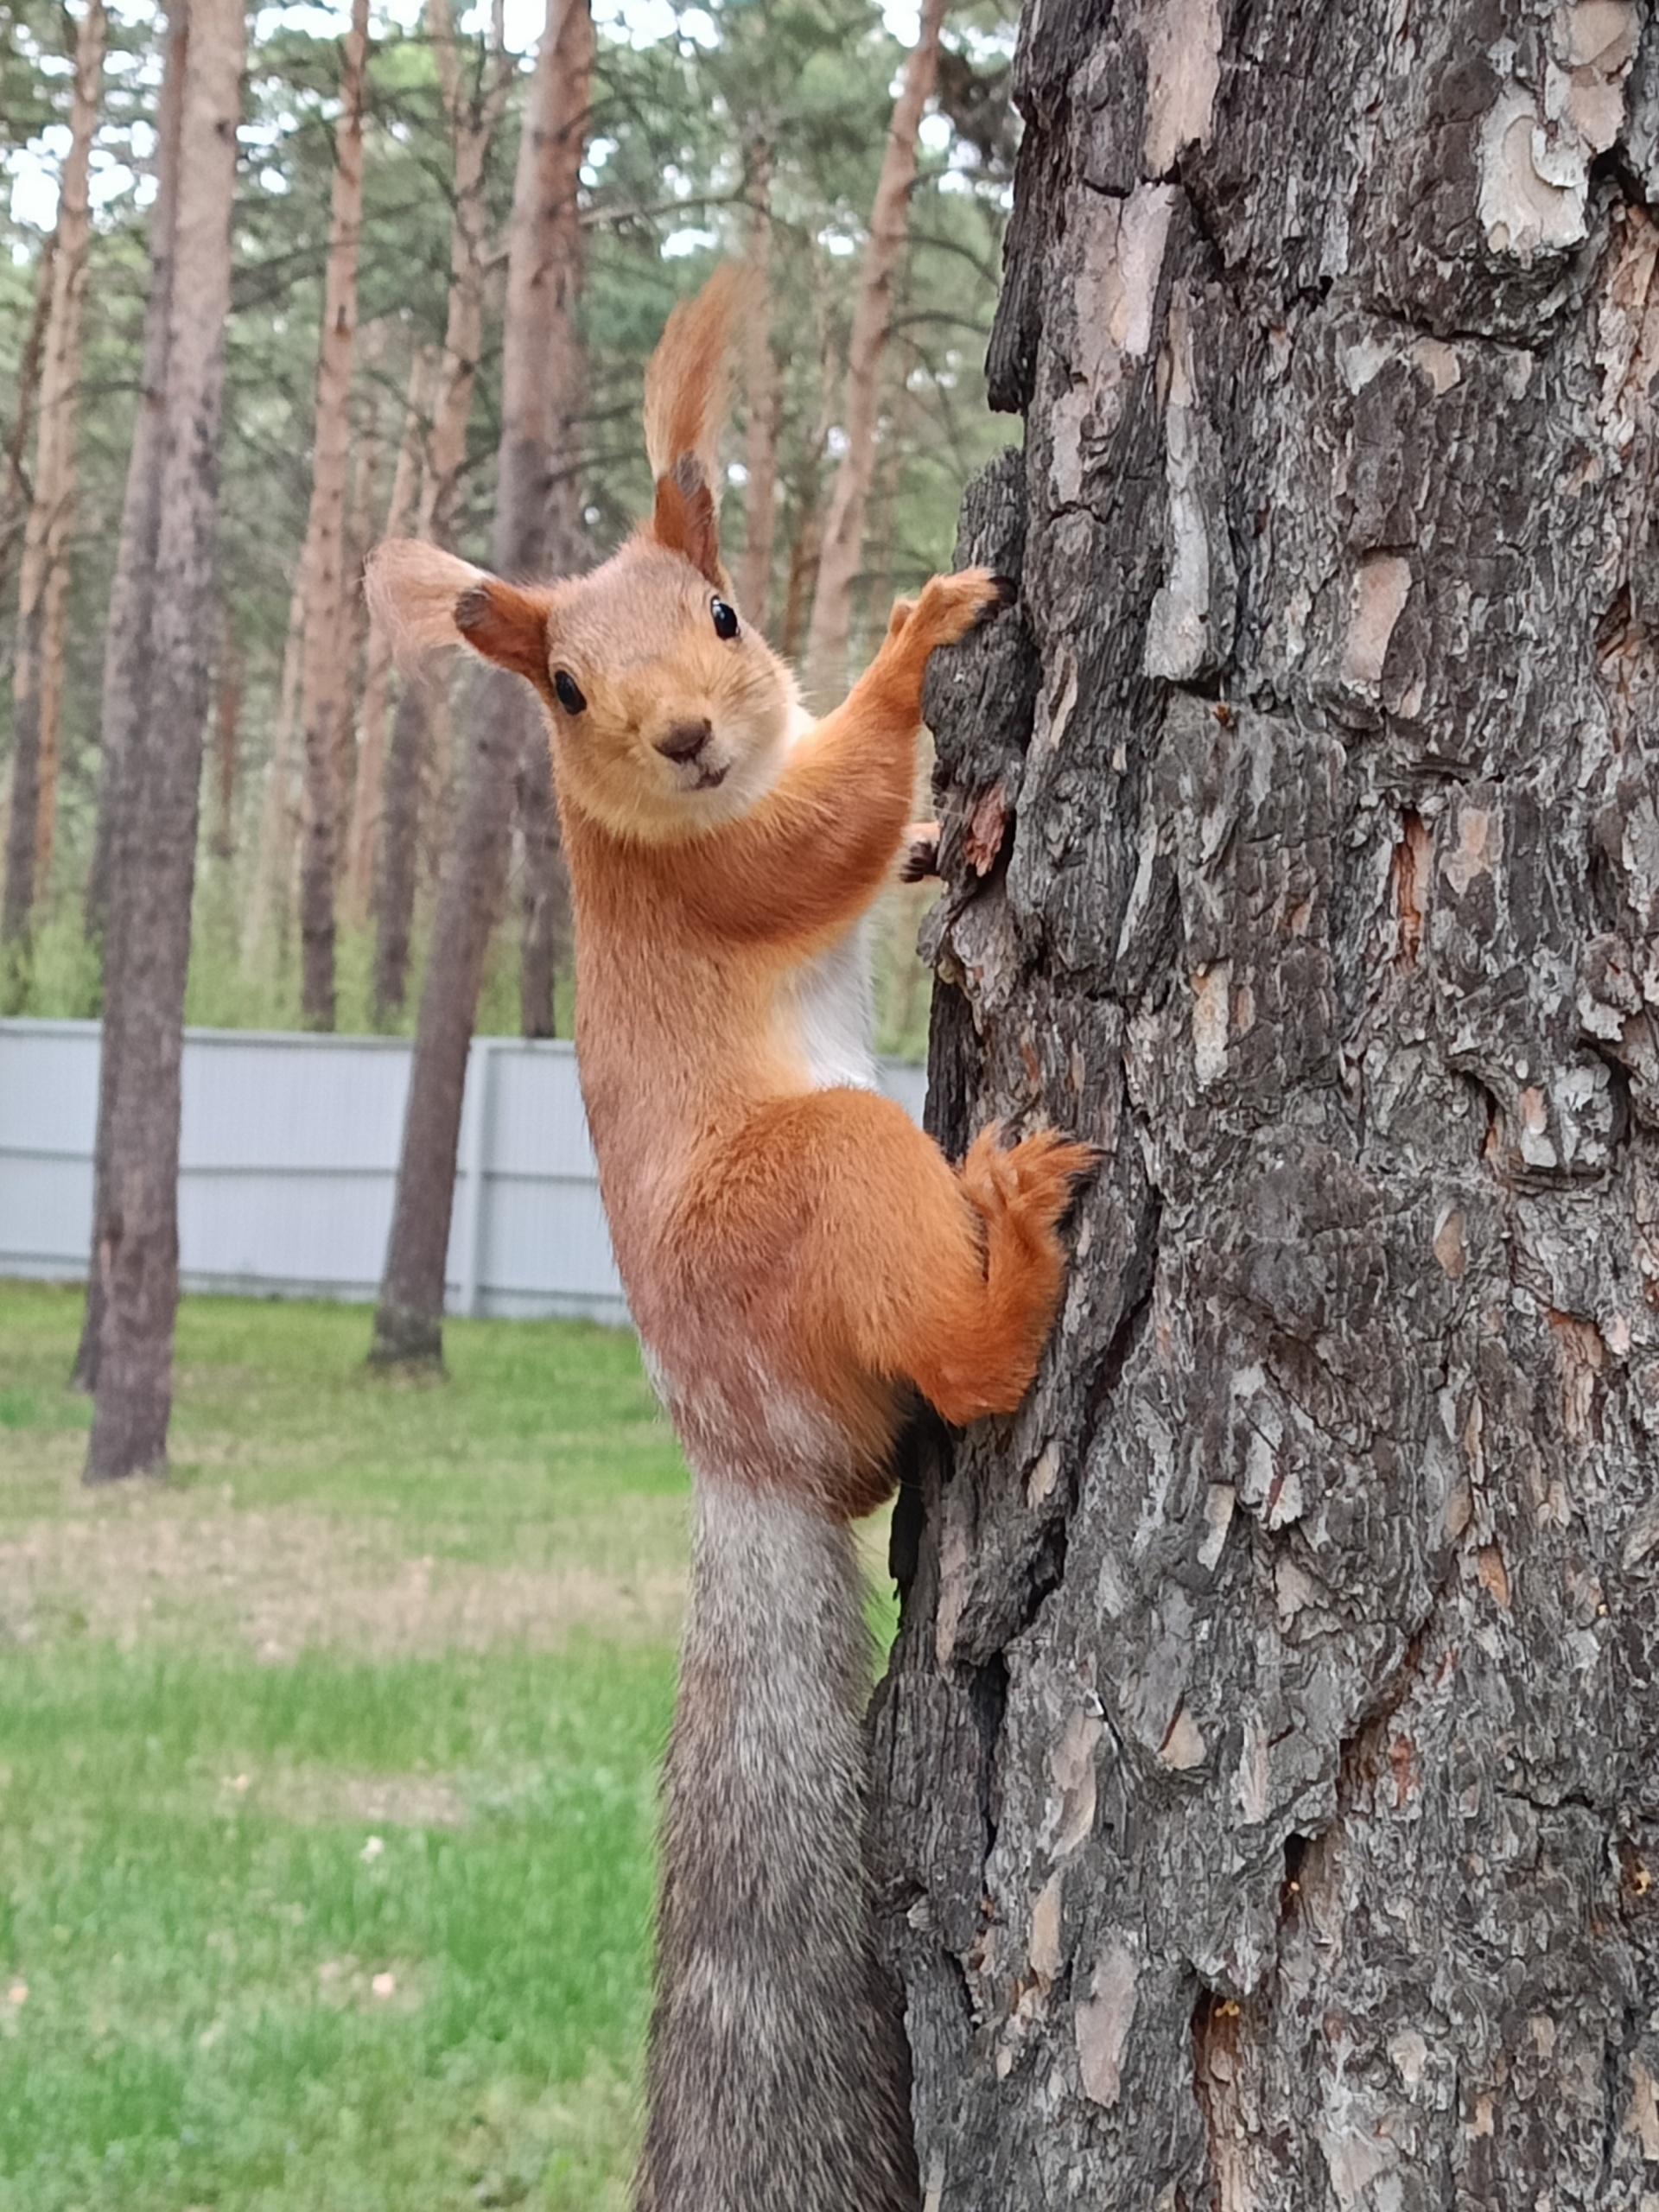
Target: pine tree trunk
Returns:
[[137, 1253], [843, 522], [227, 735], [763, 395], [544, 918], [538, 390], [325, 687], [555, 401], [37, 674], [360, 537], [420, 721], [127, 642], [368, 792], [268, 908], [1269, 1791], [14, 494]]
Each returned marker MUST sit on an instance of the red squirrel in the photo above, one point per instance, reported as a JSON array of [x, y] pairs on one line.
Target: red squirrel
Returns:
[[798, 1258]]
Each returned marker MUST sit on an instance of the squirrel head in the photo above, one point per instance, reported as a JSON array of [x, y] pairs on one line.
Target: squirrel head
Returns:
[[669, 716]]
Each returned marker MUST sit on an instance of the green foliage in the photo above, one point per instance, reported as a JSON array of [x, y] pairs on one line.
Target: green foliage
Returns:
[[677, 126]]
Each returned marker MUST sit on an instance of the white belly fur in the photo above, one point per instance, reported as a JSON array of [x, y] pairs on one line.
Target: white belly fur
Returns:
[[831, 1006]]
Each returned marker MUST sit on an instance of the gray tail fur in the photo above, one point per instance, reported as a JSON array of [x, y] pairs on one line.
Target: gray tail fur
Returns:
[[779, 2073]]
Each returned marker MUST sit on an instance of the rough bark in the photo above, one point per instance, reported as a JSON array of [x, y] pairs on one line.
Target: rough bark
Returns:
[[138, 1253], [127, 632], [844, 523], [1268, 1799], [368, 790], [325, 682], [538, 394], [474, 115], [43, 607]]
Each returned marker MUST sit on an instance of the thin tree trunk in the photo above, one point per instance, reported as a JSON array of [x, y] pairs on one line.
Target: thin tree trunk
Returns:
[[279, 808], [843, 524], [325, 703], [354, 611], [763, 393], [535, 404], [14, 493], [1267, 1776], [420, 727], [143, 1020], [372, 729], [544, 921], [127, 639], [227, 732], [37, 675], [544, 917]]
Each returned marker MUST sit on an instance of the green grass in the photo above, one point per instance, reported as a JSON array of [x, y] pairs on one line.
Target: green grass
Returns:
[[376, 1686], [217, 1843]]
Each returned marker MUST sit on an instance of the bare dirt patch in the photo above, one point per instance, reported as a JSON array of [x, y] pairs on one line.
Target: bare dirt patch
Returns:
[[159, 1566]]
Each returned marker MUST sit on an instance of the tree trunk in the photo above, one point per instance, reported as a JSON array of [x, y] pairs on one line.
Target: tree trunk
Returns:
[[227, 736], [843, 522], [763, 393], [325, 688], [539, 387], [548, 412], [420, 719], [14, 494], [544, 920], [127, 642], [361, 536], [137, 1256], [1269, 1790], [43, 616], [368, 789], [268, 907]]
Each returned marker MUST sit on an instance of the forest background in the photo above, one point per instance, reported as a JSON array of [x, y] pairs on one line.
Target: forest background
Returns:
[[753, 129]]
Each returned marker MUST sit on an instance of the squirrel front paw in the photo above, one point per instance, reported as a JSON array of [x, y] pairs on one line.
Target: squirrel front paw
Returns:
[[947, 607], [918, 857]]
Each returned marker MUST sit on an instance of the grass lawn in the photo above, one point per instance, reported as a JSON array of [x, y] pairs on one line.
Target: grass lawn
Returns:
[[327, 1772]]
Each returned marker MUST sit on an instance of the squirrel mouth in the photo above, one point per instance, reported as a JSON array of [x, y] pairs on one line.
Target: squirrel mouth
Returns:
[[710, 777]]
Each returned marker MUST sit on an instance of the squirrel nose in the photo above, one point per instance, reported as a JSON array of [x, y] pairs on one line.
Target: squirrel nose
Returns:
[[685, 741]]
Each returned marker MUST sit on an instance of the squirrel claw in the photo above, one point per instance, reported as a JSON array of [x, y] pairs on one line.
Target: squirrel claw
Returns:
[[920, 858]]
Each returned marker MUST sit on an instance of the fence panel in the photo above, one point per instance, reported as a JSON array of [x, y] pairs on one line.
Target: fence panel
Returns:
[[289, 1160]]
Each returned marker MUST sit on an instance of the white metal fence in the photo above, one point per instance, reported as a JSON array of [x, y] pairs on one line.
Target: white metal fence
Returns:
[[288, 1157]]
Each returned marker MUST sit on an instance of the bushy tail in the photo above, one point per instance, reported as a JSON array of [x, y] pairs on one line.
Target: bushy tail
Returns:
[[687, 384], [779, 2077]]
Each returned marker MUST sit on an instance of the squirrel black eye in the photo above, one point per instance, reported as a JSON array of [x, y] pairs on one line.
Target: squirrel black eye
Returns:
[[568, 692], [725, 617]]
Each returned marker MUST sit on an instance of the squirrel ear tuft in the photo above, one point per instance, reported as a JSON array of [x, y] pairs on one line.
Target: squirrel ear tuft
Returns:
[[684, 520], [687, 387]]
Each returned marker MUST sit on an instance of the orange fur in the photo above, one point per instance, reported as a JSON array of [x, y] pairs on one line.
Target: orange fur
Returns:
[[687, 382], [797, 1258]]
